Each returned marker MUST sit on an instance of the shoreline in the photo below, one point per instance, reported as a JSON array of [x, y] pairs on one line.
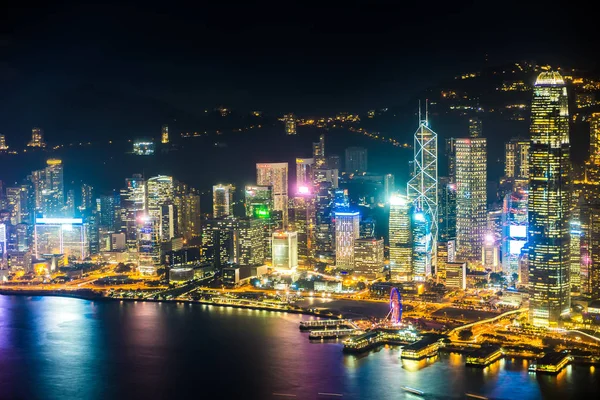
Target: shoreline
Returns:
[[88, 294]]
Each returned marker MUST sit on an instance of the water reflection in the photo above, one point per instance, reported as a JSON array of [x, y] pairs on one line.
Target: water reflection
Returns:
[[68, 348]]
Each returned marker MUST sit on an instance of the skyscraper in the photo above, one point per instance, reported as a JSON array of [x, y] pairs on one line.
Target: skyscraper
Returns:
[[422, 189], [222, 200], [356, 160], [549, 201], [304, 171], [53, 192], [258, 201], [447, 210], [251, 242], [514, 229], [276, 176], [593, 164], [37, 138], [590, 249], [133, 207], [284, 254], [368, 257], [302, 215], [421, 245], [347, 230], [471, 196], [319, 153], [400, 239], [516, 164], [164, 134]]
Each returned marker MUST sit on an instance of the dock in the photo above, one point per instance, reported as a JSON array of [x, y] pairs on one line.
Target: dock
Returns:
[[551, 363], [360, 343], [426, 347], [484, 356], [333, 333], [321, 324]]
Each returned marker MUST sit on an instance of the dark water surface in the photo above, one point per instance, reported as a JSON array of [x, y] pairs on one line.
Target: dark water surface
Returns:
[[61, 348]]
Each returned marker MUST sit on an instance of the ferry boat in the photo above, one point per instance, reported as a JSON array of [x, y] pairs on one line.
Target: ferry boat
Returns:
[[412, 390]]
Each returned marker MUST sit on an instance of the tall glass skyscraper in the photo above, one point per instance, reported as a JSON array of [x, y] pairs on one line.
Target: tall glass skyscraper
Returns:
[[276, 176], [400, 239], [471, 196], [422, 189], [222, 200], [347, 230], [549, 199]]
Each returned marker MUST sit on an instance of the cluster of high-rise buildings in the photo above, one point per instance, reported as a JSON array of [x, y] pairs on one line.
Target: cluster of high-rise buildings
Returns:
[[295, 226], [42, 226], [544, 234]]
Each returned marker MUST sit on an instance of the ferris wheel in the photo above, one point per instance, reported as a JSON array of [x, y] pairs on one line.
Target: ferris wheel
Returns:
[[395, 314]]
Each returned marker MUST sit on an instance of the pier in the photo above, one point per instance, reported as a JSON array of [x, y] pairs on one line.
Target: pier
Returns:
[[484, 356], [321, 324], [551, 363], [333, 333], [426, 347]]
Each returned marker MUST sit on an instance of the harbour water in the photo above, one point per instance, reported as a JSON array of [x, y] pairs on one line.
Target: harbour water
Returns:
[[65, 348]]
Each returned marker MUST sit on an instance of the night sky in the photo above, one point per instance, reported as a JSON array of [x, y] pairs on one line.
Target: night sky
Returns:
[[86, 69]]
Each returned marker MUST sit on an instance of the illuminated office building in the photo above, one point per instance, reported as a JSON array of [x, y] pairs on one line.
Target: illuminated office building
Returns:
[[475, 127], [52, 196], [514, 229], [516, 159], [251, 242], [319, 153], [159, 191], [471, 196], [347, 230], [456, 275], [276, 176], [60, 236], [222, 200], [447, 210], [590, 249], [356, 160], [284, 253], [302, 220], [327, 175], [494, 224], [304, 171], [133, 206], [400, 239], [16, 198], [258, 201], [220, 241], [368, 257], [148, 244], [575, 268], [87, 198], [108, 209], [324, 228], [37, 138], [167, 220], [490, 253], [188, 215], [549, 201], [367, 228], [421, 245], [164, 134], [422, 189]]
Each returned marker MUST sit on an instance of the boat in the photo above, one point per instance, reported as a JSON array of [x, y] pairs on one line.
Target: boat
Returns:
[[412, 390]]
